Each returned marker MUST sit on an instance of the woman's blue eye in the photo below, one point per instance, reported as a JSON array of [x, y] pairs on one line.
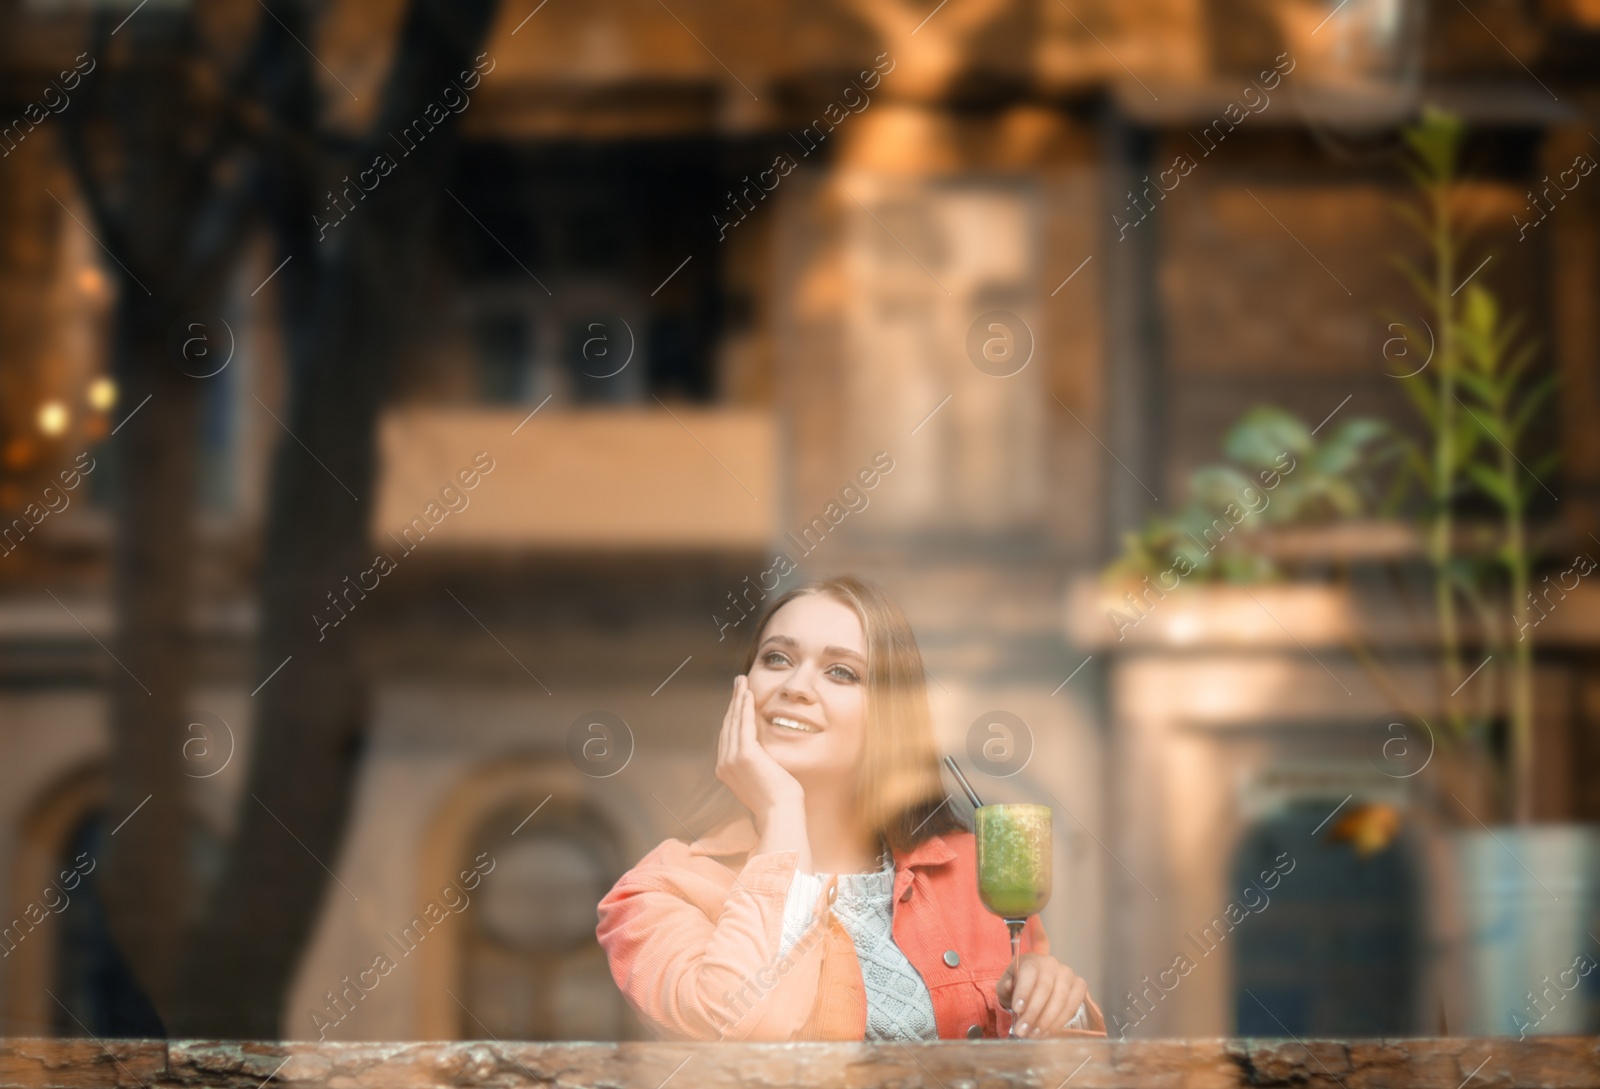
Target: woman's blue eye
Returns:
[[777, 658]]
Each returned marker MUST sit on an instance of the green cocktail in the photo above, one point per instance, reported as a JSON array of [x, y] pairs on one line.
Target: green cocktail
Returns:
[[1014, 866], [1014, 859]]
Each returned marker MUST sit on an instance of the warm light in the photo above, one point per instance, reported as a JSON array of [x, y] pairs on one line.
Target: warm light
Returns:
[[1184, 627], [91, 282], [102, 394], [53, 418]]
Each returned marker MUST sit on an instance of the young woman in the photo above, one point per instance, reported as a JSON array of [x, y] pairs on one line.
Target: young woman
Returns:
[[835, 895]]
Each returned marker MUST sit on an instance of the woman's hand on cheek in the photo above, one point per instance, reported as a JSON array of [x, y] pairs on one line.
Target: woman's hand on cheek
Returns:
[[774, 797], [1043, 997]]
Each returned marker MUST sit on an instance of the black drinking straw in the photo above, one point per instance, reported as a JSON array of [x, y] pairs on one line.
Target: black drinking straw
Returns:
[[972, 795]]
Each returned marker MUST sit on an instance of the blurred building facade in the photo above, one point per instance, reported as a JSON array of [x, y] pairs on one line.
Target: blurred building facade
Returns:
[[703, 273]]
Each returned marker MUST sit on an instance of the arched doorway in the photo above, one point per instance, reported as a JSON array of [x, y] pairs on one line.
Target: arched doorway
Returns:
[[526, 964], [531, 968], [94, 989], [65, 975]]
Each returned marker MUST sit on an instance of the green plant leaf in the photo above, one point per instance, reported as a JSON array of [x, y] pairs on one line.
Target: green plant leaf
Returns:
[[1346, 447], [1265, 433], [1215, 486], [1532, 401], [1521, 358], [1468, 434], [1491, 483], [1423, 397], [1481, 388], [1415, 216], [1419, 283], [1434, 141]]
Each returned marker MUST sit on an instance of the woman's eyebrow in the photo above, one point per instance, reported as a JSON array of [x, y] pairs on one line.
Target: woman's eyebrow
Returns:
[[837, 651]]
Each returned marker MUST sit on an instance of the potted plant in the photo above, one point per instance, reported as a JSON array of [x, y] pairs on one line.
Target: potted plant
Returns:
[[1511, 930], [1513, 902]]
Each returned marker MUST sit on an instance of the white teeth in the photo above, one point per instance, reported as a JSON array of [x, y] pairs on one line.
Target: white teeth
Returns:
[[791, 724]]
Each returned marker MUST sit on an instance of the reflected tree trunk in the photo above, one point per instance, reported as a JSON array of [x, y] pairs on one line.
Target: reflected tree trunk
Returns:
[[345, 296], [146, 881], [176, 161], [142, 142]]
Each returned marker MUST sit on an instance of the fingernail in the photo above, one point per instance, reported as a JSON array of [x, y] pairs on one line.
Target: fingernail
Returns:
[[1022, 1029], [1019, 1006]]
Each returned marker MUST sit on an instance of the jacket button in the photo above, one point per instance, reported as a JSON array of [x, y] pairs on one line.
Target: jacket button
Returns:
[[974, 1032], [907, 894], [951, 958]]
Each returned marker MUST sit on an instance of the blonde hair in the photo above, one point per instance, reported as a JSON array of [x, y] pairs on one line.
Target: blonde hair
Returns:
[[898, 786]]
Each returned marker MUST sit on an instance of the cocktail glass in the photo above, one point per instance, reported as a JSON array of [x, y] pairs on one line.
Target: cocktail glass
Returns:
[[1014, 868]]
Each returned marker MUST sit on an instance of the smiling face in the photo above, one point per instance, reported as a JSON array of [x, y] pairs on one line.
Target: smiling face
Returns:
[[809, 681]]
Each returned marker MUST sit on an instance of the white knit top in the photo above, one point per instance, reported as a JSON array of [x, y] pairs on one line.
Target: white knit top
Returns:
[[899, 1006]]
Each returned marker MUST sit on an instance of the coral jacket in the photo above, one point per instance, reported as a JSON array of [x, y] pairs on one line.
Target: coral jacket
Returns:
[[692, 935]]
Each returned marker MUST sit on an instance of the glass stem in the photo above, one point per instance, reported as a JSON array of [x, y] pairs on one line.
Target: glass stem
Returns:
[[1015, 926]]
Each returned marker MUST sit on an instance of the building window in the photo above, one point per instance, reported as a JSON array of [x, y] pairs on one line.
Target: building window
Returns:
[[503, 341], [573, 270]]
